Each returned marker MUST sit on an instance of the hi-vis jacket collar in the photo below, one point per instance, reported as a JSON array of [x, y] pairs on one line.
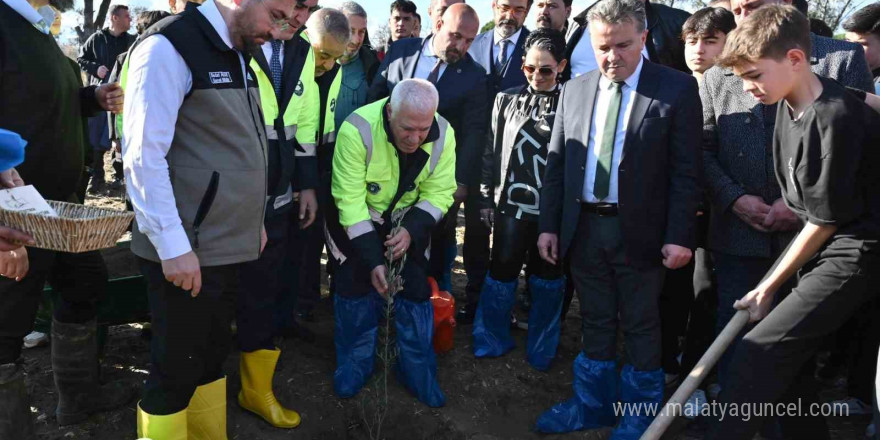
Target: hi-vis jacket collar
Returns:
[[433, 133]]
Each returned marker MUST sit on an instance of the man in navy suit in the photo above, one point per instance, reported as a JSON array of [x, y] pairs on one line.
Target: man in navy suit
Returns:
[[619, 202], [500, 52], [442, 58]]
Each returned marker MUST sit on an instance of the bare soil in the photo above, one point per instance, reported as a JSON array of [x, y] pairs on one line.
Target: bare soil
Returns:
[[486, 399]]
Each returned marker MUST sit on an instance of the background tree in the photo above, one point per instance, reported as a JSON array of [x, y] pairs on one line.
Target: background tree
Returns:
[[380, 38], [91, 23], [833, 12], [488, 26]]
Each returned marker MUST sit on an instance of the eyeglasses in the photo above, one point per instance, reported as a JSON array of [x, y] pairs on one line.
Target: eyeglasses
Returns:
[[544, 71], [281, 24]]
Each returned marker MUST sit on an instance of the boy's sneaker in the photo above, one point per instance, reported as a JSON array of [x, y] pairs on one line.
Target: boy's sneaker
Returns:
[[35, 339]]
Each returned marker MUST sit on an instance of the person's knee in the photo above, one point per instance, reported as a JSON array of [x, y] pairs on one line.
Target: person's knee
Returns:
[[504, 267]]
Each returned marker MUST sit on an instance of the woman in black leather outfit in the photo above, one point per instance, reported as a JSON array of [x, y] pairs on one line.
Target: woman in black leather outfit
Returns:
[[513, 168]]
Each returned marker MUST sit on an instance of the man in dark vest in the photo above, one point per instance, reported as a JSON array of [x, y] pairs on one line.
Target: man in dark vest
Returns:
[[49, 114], [195, 160]]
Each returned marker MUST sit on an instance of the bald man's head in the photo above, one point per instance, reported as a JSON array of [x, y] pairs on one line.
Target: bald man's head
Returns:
[[454, 32], [462, 12]]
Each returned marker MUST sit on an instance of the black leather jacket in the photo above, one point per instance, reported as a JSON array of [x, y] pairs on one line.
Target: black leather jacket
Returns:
[[664, 44]]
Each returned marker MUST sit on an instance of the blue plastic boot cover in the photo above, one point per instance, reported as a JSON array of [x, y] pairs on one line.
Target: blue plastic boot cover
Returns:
[[354, 332], [417, 364], [492, 322], [595, 392], [544, 320], [641, 397]]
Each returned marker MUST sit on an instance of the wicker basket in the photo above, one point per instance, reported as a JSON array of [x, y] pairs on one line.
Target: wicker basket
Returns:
[[78, 228]]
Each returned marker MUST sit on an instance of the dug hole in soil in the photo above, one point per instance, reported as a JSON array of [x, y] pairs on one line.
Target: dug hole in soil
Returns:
[[486, 399]]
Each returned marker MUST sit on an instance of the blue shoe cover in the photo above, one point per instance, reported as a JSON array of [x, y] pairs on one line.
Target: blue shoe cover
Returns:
[[642, 390], [492, 322], [417, 364], [595, 389], [544, 320], [354, 333]]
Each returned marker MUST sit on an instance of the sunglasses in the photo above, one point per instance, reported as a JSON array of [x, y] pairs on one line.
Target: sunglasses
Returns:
[[545, 71]]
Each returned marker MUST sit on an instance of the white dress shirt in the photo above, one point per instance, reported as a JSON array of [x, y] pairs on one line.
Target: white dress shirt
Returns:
[[583, 58], [600, 113], [158, 80], [30, 14], [427, 60], [496, 44]]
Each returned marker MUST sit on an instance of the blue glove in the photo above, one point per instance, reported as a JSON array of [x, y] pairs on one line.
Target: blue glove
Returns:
[[11, 149]]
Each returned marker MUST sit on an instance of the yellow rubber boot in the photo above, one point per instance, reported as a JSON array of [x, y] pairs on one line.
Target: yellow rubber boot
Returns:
[[170, 427], [257, 369], [207, 412]]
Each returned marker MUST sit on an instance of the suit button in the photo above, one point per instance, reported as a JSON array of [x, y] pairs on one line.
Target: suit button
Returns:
[[748, 120], [577, 200], [583, 167], [621, 170], [740, 154]]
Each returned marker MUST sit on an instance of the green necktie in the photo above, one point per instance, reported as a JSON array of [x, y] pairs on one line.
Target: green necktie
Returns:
[[606, 150]]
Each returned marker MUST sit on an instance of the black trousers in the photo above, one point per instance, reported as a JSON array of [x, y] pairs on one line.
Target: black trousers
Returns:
[[700, 331], [442, 241], [80, 280], [261, 282], [476, 247], [512, 241], [768, 362], [191, 336], [613, 292], [681, 317], [309, 246]]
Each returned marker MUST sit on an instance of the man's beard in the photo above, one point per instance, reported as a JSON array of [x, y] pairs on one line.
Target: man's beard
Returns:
[[505, 30], [450, 56], [350, 53], [62, 5]]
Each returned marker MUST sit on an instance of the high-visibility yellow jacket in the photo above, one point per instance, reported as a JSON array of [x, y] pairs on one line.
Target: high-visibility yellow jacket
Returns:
[[291, 123], [368, 171]]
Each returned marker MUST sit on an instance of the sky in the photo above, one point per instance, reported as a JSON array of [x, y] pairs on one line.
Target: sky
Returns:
[[377, 11]]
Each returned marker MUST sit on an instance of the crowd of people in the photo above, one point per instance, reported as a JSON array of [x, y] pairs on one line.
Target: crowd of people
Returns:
[[667, 168]]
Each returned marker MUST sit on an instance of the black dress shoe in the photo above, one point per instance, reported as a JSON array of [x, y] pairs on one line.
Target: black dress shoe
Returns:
[[466, 314]]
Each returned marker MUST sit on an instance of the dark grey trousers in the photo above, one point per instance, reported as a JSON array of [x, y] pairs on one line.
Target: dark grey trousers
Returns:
[[613, 293], [767, 363]]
